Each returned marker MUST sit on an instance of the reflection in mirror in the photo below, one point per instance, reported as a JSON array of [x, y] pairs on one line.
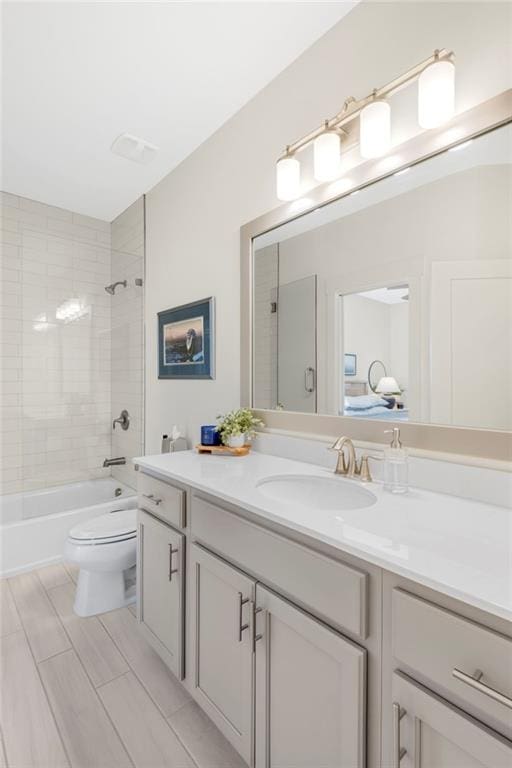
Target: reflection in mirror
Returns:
[[395, 303], [374, 326]]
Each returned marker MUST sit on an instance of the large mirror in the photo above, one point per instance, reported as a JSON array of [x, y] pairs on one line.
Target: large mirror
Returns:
[[394, 303]]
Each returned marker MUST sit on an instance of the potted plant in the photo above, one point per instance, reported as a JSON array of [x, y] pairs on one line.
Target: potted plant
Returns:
[[237, 427]]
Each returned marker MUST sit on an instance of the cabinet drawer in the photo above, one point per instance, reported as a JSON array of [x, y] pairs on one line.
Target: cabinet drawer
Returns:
[[447, 650], [162, 500], [331, 590]]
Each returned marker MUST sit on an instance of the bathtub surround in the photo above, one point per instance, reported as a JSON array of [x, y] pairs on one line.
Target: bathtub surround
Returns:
[[127, 376], [71, 352], [194, 214], [55, 340]]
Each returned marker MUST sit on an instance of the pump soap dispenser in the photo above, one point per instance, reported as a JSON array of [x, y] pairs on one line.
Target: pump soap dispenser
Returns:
[[395, 464]]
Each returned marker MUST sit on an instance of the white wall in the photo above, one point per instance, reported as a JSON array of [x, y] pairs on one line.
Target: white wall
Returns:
[[55, 370], [195, 213]]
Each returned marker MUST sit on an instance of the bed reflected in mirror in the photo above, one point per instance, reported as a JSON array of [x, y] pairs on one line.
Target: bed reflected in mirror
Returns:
[[374, 326]]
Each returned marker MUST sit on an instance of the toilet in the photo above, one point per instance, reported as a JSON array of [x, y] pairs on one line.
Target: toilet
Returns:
[[104, 549]]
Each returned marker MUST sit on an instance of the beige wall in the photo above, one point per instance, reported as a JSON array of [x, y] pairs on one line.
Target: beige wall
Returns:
[[194, 214]]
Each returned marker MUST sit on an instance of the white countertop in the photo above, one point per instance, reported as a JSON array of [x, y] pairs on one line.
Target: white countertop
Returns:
[[458, 547]]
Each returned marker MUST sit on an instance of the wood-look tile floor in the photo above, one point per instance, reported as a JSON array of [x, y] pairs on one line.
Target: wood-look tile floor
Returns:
[[91, 693]]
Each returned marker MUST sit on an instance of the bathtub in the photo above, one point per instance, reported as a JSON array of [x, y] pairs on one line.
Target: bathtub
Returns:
[[34, 526]]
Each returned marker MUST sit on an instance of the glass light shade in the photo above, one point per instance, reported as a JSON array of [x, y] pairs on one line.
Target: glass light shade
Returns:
[[388, 385], [288, 178], [326, 156], [375, 129], [436, 94]]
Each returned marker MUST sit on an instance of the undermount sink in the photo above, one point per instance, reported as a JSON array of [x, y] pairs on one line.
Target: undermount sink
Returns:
[[315, 492]]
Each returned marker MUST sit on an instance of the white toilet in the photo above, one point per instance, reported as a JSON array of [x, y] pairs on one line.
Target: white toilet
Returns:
[[104, 549]]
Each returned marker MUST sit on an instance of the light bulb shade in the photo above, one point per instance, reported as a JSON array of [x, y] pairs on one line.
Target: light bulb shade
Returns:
[[375, 129], [388, 385], [326, 156], [436, 94], [288, 178]]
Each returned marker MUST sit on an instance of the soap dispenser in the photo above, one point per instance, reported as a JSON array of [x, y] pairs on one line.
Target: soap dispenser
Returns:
[[395, 464]]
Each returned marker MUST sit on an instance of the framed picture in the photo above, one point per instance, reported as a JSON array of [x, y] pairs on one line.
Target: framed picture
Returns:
[[350, 364], [186, 341]]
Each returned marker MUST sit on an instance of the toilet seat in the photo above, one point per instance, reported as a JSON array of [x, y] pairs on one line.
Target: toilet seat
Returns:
[[110, 528]]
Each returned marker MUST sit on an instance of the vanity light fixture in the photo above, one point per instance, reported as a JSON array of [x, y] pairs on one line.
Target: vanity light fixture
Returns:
[[288, 177], [436, 76], [375, 128], [327, 155], [436, 93]]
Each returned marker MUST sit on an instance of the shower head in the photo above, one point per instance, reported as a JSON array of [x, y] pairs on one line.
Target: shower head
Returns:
[[112, 288]]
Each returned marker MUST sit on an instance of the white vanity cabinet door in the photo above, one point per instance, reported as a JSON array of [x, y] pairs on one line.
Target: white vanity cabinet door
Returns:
[[435, 734], [221, 600], [310, 690], [161, 579]]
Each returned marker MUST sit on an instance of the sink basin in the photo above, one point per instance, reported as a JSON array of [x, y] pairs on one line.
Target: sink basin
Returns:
[[315, 492]]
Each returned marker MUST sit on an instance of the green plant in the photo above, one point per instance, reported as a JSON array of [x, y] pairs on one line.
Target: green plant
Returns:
[[238, 422]]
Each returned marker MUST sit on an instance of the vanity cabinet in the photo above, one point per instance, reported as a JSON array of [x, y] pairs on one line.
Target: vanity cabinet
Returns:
[[310, 690], [221, 604], [284, 688], [429, 732], [160, 584]]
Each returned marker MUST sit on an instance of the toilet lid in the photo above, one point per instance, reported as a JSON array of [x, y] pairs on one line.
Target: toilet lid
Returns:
[[113, 525]]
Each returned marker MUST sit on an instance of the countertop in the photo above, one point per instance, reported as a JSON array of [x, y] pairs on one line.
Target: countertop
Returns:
[[458, 547]]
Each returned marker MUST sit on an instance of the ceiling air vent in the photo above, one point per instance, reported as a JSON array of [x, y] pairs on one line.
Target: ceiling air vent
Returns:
[[133, 148]]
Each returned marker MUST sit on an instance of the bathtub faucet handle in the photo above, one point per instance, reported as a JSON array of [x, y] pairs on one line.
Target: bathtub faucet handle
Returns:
[[123, 420]]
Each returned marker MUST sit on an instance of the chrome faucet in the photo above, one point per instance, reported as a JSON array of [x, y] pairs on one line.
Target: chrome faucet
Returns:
[[114, 462], [352, 468]]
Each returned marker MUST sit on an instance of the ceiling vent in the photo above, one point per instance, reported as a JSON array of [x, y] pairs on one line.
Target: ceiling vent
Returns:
[[133, 148]]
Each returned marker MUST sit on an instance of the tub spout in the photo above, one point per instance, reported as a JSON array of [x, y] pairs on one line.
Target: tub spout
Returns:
[[114, 462]]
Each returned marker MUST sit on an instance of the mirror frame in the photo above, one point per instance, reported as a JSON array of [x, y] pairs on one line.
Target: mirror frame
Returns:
[[491, 445]]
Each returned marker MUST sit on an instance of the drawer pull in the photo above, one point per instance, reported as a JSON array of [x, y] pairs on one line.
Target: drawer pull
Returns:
[[171, 569], [475, 681], [241, 627], [151, 497], [398, 751]]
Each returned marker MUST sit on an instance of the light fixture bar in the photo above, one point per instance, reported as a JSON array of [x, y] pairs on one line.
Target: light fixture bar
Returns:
[[352, 108]]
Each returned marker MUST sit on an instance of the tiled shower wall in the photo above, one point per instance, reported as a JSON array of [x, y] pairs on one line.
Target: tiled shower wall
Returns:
[[127, 337], [55, 346]]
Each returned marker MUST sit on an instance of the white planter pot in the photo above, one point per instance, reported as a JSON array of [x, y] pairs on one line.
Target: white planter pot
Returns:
[[236, 441]]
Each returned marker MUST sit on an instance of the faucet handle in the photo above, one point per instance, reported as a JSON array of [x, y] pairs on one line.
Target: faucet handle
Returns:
[[336, 445], [363, 470]]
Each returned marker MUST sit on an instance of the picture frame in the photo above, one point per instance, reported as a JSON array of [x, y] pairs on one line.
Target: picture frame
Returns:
[[350, 364], [186, 341]]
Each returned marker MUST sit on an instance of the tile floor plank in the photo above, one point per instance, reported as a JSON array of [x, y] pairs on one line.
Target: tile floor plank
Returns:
[[87, 732], [204, 741], [91, 641], [9, 618], [30, 736], [45, 633], [147, 736], [53, 575], [72, 570], [163, 687]]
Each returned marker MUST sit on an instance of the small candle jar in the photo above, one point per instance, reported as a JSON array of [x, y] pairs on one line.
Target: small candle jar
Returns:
[[210, 435]]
